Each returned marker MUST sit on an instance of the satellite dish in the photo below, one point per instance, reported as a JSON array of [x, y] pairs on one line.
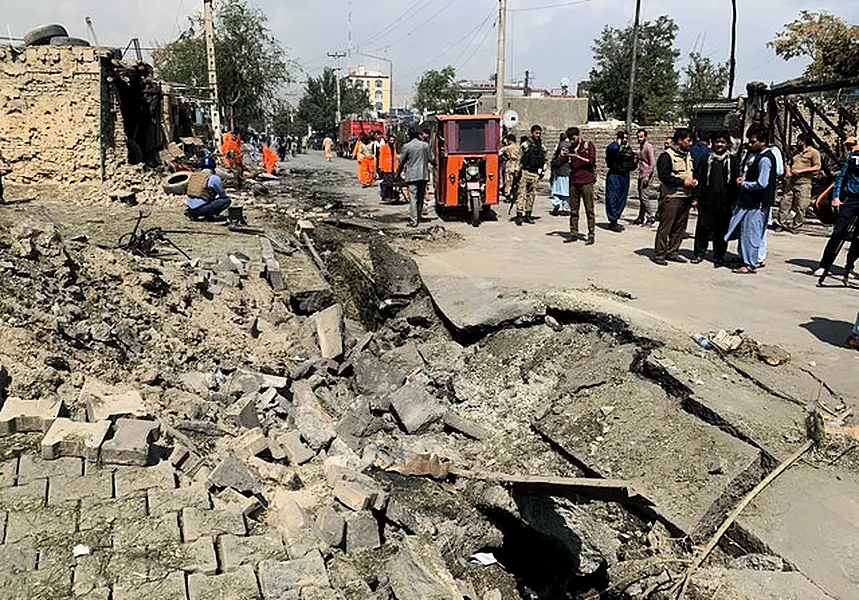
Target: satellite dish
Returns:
[[511, 118], [565, 82]]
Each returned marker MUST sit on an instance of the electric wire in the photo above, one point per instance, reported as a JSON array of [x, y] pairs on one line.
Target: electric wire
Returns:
[[477, 48], [401, 19], [420, 26], [547, 6]]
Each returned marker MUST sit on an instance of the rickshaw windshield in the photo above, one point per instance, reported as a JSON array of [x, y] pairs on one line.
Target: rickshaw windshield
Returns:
[[471, 136]]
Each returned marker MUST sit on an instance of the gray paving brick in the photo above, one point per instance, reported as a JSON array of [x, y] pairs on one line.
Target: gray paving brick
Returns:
[[24, 497], [198, 556], [63, 488], [162, 501], [236, 551], [91, 573], [171, 587], [48, 526], [29, 585], [197, 523], [15, 557], [241, 584], [151, 531], [279, 577], [8, 473], [31, 467], [102, 514], [129, 480]]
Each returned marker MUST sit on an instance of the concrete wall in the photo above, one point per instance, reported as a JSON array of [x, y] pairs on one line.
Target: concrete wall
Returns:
[[551, 113], [50, 113]]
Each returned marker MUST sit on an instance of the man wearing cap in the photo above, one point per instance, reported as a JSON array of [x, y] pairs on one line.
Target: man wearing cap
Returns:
[[207, 197]]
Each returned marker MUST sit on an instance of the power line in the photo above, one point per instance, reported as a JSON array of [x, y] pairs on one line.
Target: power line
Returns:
[[476, 48], [402, 18], [475, 31], [427, 20], [547, 6]]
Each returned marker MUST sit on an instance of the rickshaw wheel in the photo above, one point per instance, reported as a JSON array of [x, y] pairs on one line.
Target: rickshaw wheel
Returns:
[[476, 208]]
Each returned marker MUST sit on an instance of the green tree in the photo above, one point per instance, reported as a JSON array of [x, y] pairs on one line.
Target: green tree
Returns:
[[318, 105], [703, 80], [438, 91], [656, 79], [829, 41], [252, 65]]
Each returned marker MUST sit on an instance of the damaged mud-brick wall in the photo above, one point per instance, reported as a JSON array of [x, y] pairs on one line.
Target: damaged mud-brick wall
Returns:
[[73, 115]]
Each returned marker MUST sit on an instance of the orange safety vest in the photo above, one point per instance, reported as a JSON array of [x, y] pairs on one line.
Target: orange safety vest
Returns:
[[269, 159]]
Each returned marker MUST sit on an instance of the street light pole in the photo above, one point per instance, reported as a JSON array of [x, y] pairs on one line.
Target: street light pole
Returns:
[[208, 17], [634, 65], [733, 62], [337, 56], [390, 76]]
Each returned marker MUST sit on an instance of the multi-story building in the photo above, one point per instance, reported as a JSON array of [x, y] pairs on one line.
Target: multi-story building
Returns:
[[376, 84]]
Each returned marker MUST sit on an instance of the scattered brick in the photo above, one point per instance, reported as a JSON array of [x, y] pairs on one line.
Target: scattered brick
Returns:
[[131, 443], [22, 416], [73, 438]]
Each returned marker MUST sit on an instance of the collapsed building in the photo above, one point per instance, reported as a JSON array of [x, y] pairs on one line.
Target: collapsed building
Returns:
[[71, 114]]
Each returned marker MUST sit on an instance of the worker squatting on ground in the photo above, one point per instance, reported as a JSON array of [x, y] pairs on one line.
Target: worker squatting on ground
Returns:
[[845, 203], [415, 160], [207, 197], [533, 162]]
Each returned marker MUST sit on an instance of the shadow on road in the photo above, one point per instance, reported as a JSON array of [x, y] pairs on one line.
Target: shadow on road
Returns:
[[808, 265], [568, 237], [827, 330]]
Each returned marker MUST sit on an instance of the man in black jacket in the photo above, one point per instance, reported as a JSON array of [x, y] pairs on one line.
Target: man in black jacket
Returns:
[[533, 162], [717, 181]]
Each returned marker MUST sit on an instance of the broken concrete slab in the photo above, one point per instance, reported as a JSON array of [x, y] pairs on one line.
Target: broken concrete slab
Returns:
[[358, 423], [395, 275], [271, 267], [251, 443], [234, 473], [416, 409], [73, 438], [724, 398], [355, 494], [24, 416], [240, 584], [243, 413], [229, 500], [808, 517], [479, 306], [468, 428], [666, 453], [244, 381], [329, 331], [726, 584], [131, 443], [417, 572], [591, 545], [362, 532], [332, 525], [105, 401], [308, 291]]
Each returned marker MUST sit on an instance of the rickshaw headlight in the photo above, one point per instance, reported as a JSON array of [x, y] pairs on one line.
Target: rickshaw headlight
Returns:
[[472, 171], [452, 177]]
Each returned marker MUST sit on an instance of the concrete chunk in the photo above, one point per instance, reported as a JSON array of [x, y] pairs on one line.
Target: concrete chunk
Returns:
[[230, 500], [329, 331], [240, 584], [315, 425], [73, 438], [308, 290], [243, 412], [23, 416], [355, 494], [131, 443], [250, 443], [279, 577], [415, 408], [232, 472], [417, 572], [362, 532], [296, 451], [332, 525], [104, 401], [464, 426], [236, 551]]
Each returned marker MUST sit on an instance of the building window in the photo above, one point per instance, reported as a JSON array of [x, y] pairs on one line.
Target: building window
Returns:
[[359, 83], [379, 95], [379, 83], [379, 106]]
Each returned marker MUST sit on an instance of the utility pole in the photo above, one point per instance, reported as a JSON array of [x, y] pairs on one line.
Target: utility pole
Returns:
[[213, 72], [733, 62], [634, 65], [337, 56], [502, 56], [527, 90]]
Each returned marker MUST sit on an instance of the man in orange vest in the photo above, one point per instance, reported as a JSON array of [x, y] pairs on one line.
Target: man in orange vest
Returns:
[[386, 165], [269, 159]]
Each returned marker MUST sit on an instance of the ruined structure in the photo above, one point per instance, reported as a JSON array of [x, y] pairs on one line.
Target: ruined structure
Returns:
[[73, 114]]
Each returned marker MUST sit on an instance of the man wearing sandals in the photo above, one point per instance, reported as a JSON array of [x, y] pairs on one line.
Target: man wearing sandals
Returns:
[[757, 196]]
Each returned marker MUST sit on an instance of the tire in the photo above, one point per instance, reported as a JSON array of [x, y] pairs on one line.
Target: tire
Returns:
[[176, 184], [476, 205], [69, 41], [41, 36]]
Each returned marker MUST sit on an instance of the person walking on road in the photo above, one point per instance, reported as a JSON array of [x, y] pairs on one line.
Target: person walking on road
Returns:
[[415, 160], [533, 162], [648, 192], [621, 161], [803, 167], [677, 181], [845, 203], [717, 181], [327, 145], [583, 160], [757, 196]]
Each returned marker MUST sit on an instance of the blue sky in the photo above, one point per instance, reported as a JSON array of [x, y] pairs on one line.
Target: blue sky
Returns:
[[552, 43]]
